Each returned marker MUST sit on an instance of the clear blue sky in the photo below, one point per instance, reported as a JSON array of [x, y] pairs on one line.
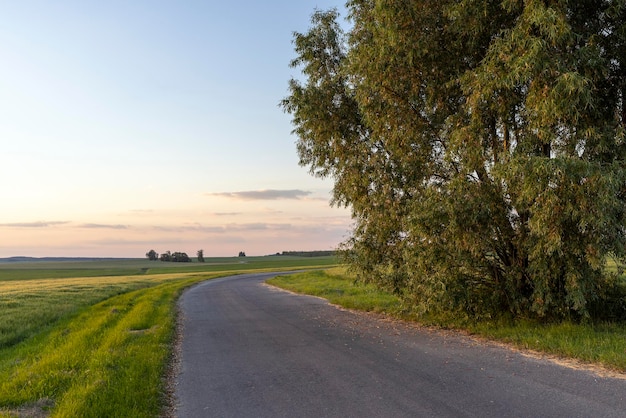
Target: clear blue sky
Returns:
[[131, 125]]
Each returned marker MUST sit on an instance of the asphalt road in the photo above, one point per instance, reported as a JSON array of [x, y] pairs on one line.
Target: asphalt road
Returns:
[[249, 350]]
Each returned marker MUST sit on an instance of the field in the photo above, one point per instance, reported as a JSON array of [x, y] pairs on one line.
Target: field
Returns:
[[93, 338], [133, 267]]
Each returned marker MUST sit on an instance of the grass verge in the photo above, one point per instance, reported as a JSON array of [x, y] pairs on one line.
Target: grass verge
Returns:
[[334, 286], [107, 360], [600, 344]]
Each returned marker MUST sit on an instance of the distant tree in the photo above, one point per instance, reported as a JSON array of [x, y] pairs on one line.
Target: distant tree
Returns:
[[152, 255], [201, 256], [242, 254], [166, 256], [177, 257]]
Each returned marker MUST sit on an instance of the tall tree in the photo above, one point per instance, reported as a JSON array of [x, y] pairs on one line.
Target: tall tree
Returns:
[[479, 144]]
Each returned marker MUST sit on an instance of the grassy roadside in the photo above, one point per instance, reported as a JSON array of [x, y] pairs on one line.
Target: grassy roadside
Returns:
[[106, 360], [601, 344], [28, 307], [94, 346]]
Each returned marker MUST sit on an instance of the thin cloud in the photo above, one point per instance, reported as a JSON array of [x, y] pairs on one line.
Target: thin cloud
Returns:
[[192, 228], [259, 226], [103, 226], [227, 213], [40, 224], [271, 211], [265, 195], [224, 229]]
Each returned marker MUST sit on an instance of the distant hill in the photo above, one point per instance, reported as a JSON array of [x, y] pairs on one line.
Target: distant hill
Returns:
[[309, 253], [21, 259]]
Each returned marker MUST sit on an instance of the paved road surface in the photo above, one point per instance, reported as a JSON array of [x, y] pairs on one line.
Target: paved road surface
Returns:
[[249, 350]]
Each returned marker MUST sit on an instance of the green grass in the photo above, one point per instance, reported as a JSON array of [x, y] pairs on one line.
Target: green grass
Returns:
[[106, 361], [97, 346], [334, 286], [28, 307], [602, 344]]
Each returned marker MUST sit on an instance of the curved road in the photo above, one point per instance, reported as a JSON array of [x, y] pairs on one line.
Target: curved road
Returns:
[[249, 350]]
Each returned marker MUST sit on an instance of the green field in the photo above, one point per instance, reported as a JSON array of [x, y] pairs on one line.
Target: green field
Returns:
[[132, 267], [94, 338]]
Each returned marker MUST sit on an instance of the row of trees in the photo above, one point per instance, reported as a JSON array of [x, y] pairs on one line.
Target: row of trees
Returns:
[[177, 257], [480, 144]]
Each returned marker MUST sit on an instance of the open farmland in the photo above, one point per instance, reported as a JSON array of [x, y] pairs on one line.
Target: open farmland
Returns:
[[77, 337], [131, 267]]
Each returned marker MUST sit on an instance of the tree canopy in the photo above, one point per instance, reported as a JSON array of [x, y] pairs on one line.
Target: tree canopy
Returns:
[[152, 255], [479, 144], [175, 257]]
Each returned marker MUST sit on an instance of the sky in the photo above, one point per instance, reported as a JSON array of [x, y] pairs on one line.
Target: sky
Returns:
[[130, 125]]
